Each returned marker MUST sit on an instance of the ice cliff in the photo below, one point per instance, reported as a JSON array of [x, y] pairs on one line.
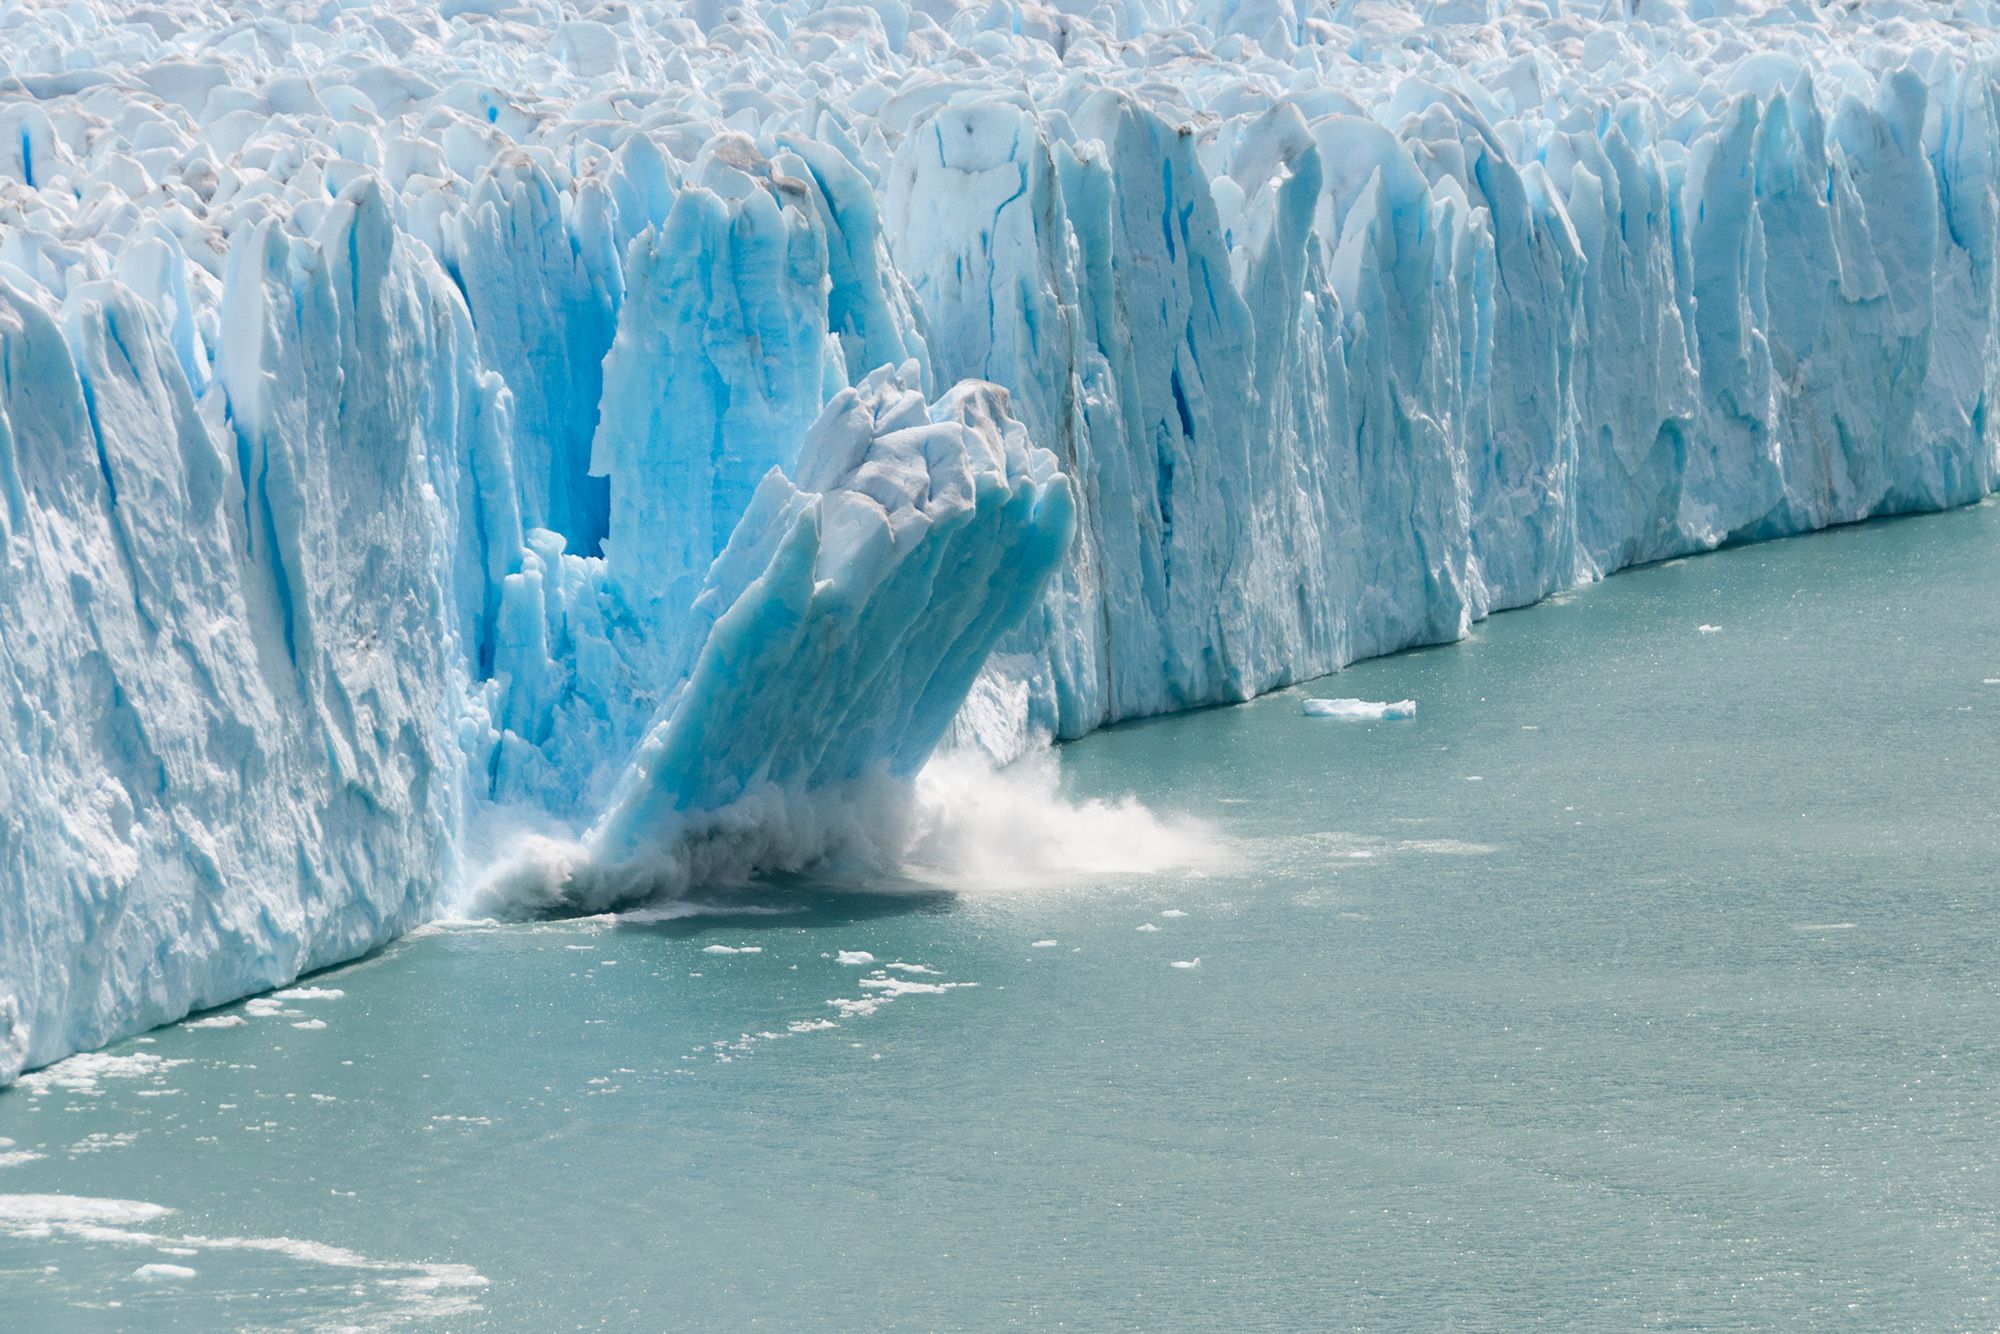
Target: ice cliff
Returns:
[[564, 451]]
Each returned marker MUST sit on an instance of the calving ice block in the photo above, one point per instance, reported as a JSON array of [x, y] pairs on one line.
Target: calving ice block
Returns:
[[568, 452]]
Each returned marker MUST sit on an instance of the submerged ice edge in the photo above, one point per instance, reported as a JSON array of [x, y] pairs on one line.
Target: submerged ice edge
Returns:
[[465, 344]]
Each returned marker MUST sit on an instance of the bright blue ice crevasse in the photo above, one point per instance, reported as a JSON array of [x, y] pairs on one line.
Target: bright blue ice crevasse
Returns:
[[391, 404], [723, 366], [543, 290]]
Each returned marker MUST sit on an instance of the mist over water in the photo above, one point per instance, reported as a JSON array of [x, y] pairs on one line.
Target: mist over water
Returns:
[[982, 829], [1644, 977], [967, 824]]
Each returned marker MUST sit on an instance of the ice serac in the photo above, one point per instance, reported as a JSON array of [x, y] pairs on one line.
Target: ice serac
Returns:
[[836, 635], [723, 364], [657, 428]]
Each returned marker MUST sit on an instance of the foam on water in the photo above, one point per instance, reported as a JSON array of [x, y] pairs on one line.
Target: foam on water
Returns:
[[972, 816], [419, 1289], [960, 830], [86, 1073]]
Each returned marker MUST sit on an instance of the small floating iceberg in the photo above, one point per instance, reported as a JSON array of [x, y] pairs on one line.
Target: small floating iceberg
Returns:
[[1360, 710]]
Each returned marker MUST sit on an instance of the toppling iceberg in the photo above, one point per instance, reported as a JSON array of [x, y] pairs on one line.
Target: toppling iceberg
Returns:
[[838, 633], [575, 449]]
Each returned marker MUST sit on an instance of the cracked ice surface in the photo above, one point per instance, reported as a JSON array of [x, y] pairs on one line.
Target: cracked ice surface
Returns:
[[389, 399]]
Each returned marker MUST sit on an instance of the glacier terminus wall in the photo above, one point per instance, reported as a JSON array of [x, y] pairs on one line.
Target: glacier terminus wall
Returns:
[[533, 456]]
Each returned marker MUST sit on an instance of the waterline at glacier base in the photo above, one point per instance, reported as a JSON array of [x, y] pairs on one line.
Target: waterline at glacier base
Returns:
[[555, 456], [1681, 1013]]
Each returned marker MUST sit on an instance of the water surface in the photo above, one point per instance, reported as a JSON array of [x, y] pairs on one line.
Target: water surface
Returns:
[[1646, 978]]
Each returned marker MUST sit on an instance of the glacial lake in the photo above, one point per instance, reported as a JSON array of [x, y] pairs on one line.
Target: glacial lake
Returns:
[[1650, 976]]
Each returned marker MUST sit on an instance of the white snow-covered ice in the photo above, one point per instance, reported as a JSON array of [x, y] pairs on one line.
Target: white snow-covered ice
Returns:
[[563, 452]]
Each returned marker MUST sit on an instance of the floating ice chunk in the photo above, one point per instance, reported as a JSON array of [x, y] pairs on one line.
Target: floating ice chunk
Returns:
[[1709, 629], [1360, 710], [1188, 963], [1044, 944], [1148, 926], [854, 958], [85, 1074], [732, 949], [912, 968], [310, 1025], [162, 1273], [16, 1157], [902, 986], [1173, 912], [309, 993], [25, 1211], [217, 1021]]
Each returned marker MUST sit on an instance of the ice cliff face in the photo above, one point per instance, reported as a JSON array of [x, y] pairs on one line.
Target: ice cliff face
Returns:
[[422, 426]]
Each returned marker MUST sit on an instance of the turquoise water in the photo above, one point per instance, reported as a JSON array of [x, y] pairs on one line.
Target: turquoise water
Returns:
[[1647, 978]]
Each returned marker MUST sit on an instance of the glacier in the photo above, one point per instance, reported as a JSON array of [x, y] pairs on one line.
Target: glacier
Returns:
[[522, 456]]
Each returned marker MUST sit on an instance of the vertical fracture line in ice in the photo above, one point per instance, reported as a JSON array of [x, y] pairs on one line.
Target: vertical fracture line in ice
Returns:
[[722, 359], [545, 308]]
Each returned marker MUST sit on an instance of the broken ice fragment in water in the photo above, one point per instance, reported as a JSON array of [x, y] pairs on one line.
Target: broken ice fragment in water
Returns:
[[1360, 710]]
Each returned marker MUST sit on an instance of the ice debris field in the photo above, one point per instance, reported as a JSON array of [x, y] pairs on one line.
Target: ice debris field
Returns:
[[554, 453]]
